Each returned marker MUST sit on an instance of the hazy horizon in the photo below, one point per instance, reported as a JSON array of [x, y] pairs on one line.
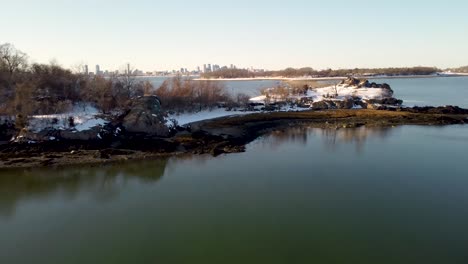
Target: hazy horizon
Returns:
[[157, 35]]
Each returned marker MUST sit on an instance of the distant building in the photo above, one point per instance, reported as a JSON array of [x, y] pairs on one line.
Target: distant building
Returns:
[[98, 70], [138, 72], [86, 70]]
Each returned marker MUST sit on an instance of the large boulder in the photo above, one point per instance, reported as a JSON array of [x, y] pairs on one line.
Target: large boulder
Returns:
[[323, 105], [146, 117], [347, 103], [7, 129], [350, 81]]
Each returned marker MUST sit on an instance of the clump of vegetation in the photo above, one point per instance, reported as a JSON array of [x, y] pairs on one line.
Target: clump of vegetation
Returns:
[[303, 85], [41, 89], [182, 94]]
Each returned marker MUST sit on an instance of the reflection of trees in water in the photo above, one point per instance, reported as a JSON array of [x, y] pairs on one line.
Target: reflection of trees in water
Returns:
[[332, 138], [104, 182], [293, 135], [178, 160], [358, 136]]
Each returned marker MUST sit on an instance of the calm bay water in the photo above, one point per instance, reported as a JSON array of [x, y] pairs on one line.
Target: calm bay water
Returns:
[[303, 195], [394, 195], [431, 91]]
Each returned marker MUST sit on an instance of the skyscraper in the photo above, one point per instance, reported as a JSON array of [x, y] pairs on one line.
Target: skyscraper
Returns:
[[98, 70], [86, 70]]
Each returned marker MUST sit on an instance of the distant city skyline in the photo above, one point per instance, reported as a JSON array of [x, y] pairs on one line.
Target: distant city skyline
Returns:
[[128, 68], [166, 35]]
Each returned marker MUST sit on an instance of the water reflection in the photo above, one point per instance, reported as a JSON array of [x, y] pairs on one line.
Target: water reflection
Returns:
[[332, 138], [101, 182], [357, 136]]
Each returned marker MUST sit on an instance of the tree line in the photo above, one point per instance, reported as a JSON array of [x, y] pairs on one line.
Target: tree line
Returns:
[[310, 72], [460, 69], [40, 89], [29, 89]]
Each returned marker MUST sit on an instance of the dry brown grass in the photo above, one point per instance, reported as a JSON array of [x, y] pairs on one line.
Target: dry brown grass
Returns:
[[364, 115]]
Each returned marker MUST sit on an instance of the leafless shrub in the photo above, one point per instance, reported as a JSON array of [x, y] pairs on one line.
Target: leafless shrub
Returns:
[[181, 94]]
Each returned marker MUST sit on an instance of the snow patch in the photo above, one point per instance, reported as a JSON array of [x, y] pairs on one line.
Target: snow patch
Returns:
[[186, 118], [84, 118], [325, 93]]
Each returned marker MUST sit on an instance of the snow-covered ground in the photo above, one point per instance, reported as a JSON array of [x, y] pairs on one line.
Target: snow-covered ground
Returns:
[[84, 117], [186, 118], [344, 91], [318, 94]]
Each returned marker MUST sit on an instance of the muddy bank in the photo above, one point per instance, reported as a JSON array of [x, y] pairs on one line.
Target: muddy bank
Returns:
[[215, 137]]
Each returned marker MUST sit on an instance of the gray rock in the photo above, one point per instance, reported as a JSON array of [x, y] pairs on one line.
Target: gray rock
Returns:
[[386, 101], [323, 105], [146, 117], [91, 134], [347, 103]]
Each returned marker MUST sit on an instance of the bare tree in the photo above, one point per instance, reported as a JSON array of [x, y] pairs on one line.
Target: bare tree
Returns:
[[126, 81], [79, 68], [11, 62], [335, 88], [12, 59]]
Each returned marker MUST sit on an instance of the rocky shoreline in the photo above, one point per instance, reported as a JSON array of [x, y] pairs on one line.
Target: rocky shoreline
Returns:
[[145, 131], [215, 137]]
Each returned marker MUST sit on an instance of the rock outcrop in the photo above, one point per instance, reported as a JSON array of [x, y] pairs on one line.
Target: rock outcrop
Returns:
[[361, 91], [333, 104], [51, 134], [449, 109], [351, 81], [7, 129], [146, 117]]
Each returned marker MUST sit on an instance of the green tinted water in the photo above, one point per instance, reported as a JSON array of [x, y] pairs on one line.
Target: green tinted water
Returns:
[[299, 196]]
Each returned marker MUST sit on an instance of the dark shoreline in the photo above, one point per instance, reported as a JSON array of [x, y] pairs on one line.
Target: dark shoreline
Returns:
[[215, 137]]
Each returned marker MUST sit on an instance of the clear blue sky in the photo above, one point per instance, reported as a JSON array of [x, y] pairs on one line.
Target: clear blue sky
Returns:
[[157, 35]]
